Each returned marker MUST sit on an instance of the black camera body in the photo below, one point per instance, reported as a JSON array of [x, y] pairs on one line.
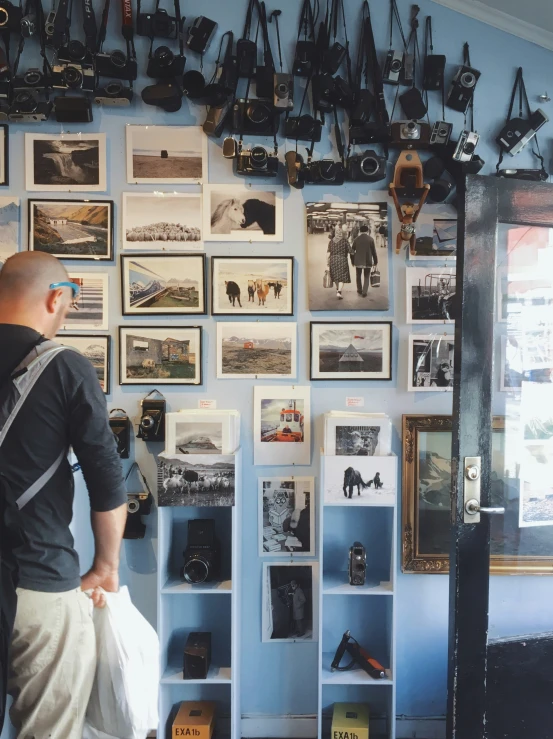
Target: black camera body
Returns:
[[530, 175], [410, 135], [393, 64], [246, 56], [362, 107], [462, 88], [357, 564], [138, 505], [202, 556], [366, 167], [113, 94], [10, 17], [152, 421], [73, 77], [333, 58], [157, 25], [283, 98], [329, 91], [216, 118], [116, 65], [164, 64], [304, 58], [254, 117], [28, 106], [303, 128], [324, 172], [197, 656], [254, 162], [200, 34], [74, 109], [75, 52], [369, 133], [166, 96], [441, 133], [433, 72], [121, 429], [518, 132], [32, 79]]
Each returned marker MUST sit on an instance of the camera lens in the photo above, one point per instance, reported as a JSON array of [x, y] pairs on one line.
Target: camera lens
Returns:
[[114, 88], [328, 170], [133, 506], [164, 56], [281, 90], [468, 79], [73, 77], [76, 51], [258, 157], [32, 77], [410, 130], [196, 571], [118, 59], [147, 423], [258, 113], [25, 102], [369, 166], [469, 148], [4, 17], [395, 66]]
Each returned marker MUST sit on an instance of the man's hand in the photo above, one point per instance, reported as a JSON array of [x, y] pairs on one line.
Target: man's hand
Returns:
[[97, 578]]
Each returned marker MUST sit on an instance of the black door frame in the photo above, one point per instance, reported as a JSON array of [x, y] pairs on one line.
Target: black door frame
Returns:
[[484, 203]]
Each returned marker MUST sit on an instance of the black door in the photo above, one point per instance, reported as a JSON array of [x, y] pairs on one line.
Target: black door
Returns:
[[501, 628]]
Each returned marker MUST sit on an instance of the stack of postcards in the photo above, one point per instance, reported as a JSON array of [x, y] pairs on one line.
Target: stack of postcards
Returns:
[[357, 434]]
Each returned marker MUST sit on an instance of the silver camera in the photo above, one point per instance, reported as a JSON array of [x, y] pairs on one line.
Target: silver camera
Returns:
[[409, 130], [464, 151], [441, 133], [392, 67], [283, 91]]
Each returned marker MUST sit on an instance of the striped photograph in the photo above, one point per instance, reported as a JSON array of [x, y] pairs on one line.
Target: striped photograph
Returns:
[[89, 311]]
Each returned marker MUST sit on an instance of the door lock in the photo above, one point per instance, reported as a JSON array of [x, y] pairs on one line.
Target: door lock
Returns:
[[473, 507], [472, 472]]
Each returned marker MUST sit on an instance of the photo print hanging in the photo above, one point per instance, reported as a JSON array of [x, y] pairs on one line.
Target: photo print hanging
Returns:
[[240, 213], [348, 255], [363, 481], [430, 294], [89, 311], [286, 516], [159, 155], [160, 355], [436, 234], [255, 286], [65, 162], [10, 222], [97, 350], [206, 480], [290, 603], [351, 351], [282, 425], [162, 221], [431, 362], [254, 350]]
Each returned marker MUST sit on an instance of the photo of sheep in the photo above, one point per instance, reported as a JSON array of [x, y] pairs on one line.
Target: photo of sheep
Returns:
[[166, 154], [258, 286], [239, 213], [164, 221]]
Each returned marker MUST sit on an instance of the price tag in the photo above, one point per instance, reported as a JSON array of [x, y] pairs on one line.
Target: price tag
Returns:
[[355, 402], [207, 404]]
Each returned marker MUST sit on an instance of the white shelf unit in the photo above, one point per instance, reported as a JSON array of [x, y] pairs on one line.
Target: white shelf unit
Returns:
[[213, 607], [367, 611]]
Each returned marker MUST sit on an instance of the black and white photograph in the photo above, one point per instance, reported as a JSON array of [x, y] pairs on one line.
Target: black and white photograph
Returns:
[[523, 293], [162, 284], [166, 155], [72, 229], [436, 234], [255, 286], [89, 311], [200, 431], [367, 481], [286, 516], [240, 213], [351, 351], [4, 155], [65, 162], [357, 434], [256, 350], [348, 265], [10, 223], [282, 425], [162, 220], [431, 362], [289, 602], [526, 356], [430, 295], [167, 355], [357, 441], [196, 480], [536, 487], [97, 350]]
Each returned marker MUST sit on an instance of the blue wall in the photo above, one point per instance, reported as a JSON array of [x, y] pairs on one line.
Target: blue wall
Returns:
[[281, 678]]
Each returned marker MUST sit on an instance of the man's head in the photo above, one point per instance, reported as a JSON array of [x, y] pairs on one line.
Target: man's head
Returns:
[[293, 584], [364, 229], [26, 298]]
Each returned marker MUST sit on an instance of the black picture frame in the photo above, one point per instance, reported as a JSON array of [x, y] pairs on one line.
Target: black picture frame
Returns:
[[108, 257], [170, 331], [216, 259], [350, 376], [126, 258], [93, 338], [5, 153]]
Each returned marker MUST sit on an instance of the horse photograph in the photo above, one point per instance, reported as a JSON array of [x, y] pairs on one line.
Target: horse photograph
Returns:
[[196, 480], [239, 213], [365, 480]]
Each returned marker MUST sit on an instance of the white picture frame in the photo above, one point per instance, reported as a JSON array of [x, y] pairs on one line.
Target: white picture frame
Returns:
[[235, 280], [67, 162], [241, 346], [273, 607], [357, 477], [430, 294], [10, 227], [92, 304], [430, 363], [282, 425], [222, 427], [161, 221], [283, 522], [243, 213], [378, 428], [351, 351], [149, 162]]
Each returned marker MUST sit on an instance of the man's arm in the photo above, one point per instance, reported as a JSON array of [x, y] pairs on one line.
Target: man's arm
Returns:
[[108, 528]]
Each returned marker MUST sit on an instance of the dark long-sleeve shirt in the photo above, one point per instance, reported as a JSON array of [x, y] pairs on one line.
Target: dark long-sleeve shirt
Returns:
[[65, 408], [364, 251]]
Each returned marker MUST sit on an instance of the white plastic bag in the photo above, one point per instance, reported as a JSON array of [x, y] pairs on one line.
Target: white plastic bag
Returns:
[[124, 699]]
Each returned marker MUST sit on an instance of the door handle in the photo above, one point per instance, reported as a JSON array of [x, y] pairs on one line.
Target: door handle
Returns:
[[471, 490], [473, 507]]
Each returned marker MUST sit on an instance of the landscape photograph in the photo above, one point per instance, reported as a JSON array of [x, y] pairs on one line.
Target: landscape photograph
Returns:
[[341, 351], [256, 350], [96, 349], [10, 219], [197, 480], [163, 284], [160, 355], [63, 163], [158, 220], [195, 437], [72, 229], [166, 154], [258, 286]]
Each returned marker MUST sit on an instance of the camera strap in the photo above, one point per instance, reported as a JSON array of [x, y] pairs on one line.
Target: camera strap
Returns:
[[268, 59], [223, 70], [127, 30], [336, 10], [394, 14], [248, 21], [46, 68], [275, 14], [338, 135], [241, 134], [429, 47], [307, 21]]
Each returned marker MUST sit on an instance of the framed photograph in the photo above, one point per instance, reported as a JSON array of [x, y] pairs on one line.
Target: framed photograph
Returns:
[[10, 223], [95, 348], [72, 229], [363, 481], [4, 155], [290, 602], [158, 155], [90, 311], [526, 356], [348, 255], [206, 480], [257, 350], [352, 435], [282, 424], [430, 362], [241, 213], [426, 509], [430, 295], [163, 284], [159, 355], [286, 516], [254, 286], [351, 351], [162, 220], [65, 162], [436, 234], [200, 432]]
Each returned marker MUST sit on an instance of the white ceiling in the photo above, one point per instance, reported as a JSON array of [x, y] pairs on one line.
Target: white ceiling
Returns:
[[529, 19]]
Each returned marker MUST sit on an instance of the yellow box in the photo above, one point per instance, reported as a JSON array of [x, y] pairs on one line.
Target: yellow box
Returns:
[[195, 719], [350, 721]]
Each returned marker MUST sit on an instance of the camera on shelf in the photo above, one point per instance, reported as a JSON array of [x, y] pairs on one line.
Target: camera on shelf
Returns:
[[518, 132], [138, 505], [462, 88], [117, 65], [157, 25], [465, 148], [410, 135], [530, 175], [366, 167], [283, 98], [357, 564], [304, 58], [369, 133], [393, 65], [152, 421], [303, 128], [441, 133], [200, 34], [254, 162], [164, 64], [202, 556], [167, 96], [114, 93], [72, 109], [10, 17], [28, 107], [254, 117]]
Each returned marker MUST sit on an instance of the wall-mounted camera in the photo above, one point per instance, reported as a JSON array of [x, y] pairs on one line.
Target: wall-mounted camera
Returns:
[[114, 93], [462, 88], [157, 25], [433, 74], [254, 118], [369, 133], [120, 426], [357, 564], [329, 91], [304, 58], [28, 106], [315, 172], [200, 34], [366, 167], [138, 505], [303, 128], [283, 98], [530, 175], [72, 109], [163, 64], [410, 135], [10, 17], [441, 133], [334, 57], [202, 556], [518, 132], [117, 65], [466, 146], [166, 95], [393, 65], [254, 162], [151, 426]]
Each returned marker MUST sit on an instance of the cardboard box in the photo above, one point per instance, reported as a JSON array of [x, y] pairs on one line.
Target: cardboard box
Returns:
[[195, 719], [350, 721]]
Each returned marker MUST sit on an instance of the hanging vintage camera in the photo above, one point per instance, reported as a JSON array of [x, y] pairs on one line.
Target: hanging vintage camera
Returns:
[[74, 68], [221, 87], [393, 65], [441, 186], [158, 24], [463, 84], [441, 133], [72, 109], [357, 564], [303, 128], [120, 426], [27, 106], [202, 556], [138, 505], [366, 167], [434, 64], [518, 132], [466, 146], [369, 133], [253, 162], [163, 64], [314, 172], [254, 118], [200, 34], [329, 91], [116, 65], [410, 135], [113, 93], [152, 421], [305, 56], [530, 175], [165, 95], [246, 49], [283, 98]]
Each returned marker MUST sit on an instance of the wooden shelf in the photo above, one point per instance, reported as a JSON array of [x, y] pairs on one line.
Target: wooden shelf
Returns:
[[351, 677], [337, 583], [216, 675], [176, 586]]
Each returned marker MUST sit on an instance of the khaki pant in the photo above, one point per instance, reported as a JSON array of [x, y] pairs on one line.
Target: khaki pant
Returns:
[[53, 661]]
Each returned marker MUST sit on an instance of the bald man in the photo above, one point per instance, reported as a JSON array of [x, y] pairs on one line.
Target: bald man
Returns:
[[53, 657]]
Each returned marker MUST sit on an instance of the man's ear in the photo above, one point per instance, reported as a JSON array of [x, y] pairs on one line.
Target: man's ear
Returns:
[[53, 300]]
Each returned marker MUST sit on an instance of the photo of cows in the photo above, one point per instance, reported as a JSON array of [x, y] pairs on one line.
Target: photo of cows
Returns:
[[261, 286], [364, 481], [239, 213], [196, 480]]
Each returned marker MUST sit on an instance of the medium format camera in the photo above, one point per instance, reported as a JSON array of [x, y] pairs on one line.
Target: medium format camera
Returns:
[[283, 98], [254, 162], [10, 17], [441, 133], [200, 34], [73, 77], [462, 88], [28, 107], [157, 25], [304, 58], [333, 58], [393, 65], [254, 117], [163, 64], [410, 135], [202, 556], [114, 93], [366, 167], [369, 133], [152, 420], [117, 65], [518, 132], [303, 128], [466, 146], [138, 505], [72, 109], [530, 175], [121, 429], [357, 564]]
